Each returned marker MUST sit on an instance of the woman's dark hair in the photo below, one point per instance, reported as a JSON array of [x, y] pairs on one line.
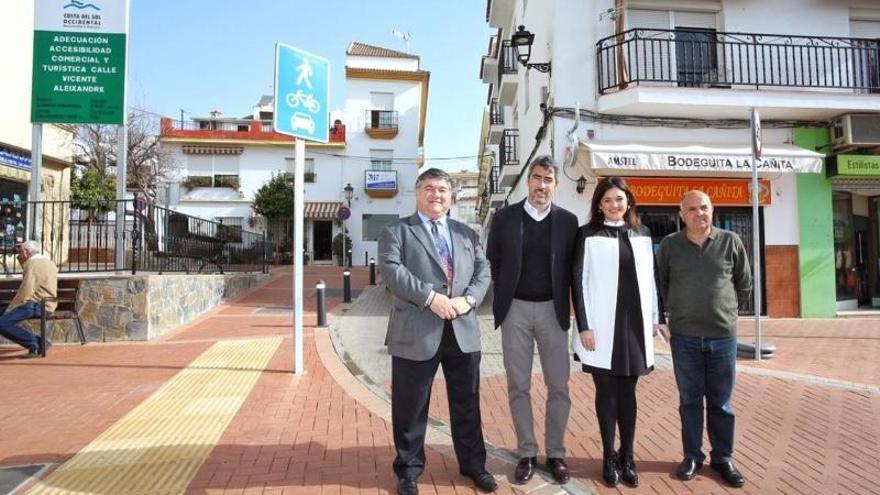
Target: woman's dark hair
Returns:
[[597, 218]]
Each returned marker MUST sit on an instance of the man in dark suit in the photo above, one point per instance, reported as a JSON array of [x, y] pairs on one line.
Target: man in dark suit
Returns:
[[530, 247], [437, 274]]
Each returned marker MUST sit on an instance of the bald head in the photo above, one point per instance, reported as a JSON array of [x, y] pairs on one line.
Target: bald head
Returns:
[[693, 195], [696, 211]]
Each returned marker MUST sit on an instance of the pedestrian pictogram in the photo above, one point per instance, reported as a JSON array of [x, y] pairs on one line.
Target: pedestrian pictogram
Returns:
[[302, 91]]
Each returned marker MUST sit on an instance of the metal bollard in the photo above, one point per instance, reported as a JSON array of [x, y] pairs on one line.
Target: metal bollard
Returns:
[[322, 307], [372, 271], [349, 258], [346, 286]]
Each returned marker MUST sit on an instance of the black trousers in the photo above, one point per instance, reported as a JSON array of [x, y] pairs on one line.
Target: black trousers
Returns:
[[616, 408], [411, 383]]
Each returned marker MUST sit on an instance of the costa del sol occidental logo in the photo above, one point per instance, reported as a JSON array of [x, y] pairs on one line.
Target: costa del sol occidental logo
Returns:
[[81, 5]]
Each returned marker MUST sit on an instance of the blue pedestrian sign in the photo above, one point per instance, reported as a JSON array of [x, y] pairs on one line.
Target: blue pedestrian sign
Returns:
[[302, 93]]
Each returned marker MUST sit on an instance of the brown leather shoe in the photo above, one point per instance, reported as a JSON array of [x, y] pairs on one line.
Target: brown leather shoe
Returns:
[[559, 469], [525, 469]]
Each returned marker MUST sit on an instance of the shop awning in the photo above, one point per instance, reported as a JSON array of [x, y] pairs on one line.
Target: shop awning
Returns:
[[652, 158], [321, 210]]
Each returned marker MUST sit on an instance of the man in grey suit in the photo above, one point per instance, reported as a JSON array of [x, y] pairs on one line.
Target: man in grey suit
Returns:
[[437, 274]]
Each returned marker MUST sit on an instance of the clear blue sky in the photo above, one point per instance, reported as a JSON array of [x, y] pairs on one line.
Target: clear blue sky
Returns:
[[202, 55]]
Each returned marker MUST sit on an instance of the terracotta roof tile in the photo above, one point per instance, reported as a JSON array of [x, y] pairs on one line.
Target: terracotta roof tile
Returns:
[[365, 50]]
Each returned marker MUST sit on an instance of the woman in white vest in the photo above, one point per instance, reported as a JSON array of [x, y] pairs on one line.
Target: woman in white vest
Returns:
[[616, 307]]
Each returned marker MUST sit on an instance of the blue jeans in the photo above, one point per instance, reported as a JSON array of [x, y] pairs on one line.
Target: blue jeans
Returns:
[[10, 328], [705, 367]]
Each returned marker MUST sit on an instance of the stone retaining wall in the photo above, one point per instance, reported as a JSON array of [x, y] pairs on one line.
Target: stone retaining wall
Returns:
[[144, 307]]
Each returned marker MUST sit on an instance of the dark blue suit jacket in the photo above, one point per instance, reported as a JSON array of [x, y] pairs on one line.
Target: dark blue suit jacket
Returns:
[[504, 250]]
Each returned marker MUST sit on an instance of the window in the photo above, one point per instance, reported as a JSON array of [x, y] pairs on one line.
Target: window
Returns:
[[867, 63], [382, 159], [309, 175], [221, 180], [695, 59], [212, 165], [373, 224], [381, 101], [696, 54]]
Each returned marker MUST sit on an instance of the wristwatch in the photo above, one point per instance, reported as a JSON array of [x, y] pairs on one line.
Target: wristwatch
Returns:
[[471, 300]]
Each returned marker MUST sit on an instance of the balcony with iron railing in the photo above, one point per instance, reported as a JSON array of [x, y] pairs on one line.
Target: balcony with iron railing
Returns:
[[508, 156], [257, 130], [381, 124], [496, 116], [507, 71], [655, 72]]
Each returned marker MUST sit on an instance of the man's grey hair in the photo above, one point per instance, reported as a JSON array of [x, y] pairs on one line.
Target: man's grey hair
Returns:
[[31, 247], [434, 173], [545, 161]]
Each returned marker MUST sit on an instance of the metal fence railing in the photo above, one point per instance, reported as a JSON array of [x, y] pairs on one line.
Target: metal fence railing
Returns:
[[381, 119], [496, 117], [151, 238], [708, 58]]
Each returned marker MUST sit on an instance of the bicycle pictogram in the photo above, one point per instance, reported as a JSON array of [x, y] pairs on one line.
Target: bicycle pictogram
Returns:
[[306, 100]]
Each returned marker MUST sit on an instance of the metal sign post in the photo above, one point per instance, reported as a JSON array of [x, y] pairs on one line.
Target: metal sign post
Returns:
[[756, 232], [302, 92]]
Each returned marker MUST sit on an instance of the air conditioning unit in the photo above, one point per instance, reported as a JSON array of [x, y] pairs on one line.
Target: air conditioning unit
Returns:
[[858, 129]]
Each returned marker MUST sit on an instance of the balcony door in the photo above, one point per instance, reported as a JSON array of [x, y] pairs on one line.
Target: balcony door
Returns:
[[381, 106], [696, 56], [866, 55]]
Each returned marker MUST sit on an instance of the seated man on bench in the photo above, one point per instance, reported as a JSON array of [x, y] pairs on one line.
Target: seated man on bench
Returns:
[[40, 279]]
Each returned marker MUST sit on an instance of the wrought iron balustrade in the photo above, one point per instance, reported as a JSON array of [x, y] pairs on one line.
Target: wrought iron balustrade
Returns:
[[382, 119], [496, 117], [509, 149], [707, 58]]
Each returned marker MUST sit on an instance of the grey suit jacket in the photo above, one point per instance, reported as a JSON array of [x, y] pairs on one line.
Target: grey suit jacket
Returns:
[[411, 269]]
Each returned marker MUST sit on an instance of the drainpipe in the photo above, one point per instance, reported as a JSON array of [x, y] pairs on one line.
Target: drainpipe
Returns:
[[619, 26]]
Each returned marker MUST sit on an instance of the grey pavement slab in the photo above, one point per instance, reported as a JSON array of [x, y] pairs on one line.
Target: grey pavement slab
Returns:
[[13, 477], [359, 336]]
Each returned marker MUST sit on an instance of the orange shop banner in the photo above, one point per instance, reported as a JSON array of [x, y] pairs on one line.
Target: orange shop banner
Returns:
[[723, 192]]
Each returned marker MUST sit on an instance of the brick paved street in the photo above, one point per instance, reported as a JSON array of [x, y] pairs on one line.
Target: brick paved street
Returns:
[[808, 420]]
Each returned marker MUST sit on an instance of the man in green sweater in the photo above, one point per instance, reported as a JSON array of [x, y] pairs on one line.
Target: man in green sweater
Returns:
[[40, 280], [704, 277]]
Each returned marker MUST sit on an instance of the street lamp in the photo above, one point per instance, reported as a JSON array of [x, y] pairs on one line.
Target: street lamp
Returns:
[[349, 192], [581, 184], [522, 42]]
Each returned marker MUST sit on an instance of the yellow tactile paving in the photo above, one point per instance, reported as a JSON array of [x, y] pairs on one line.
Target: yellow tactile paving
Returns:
[[158, 447]]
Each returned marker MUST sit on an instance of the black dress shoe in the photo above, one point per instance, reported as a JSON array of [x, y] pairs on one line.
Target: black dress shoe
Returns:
[[559, 469], [611, 471], [687, 469], [31, 353], [729, 473], [407, 486], [484, 481], [628, 472], [525, 469]]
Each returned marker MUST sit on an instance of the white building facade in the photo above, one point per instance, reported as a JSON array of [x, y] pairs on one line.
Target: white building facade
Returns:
[[373, 156], [15, 123], [665, 89]]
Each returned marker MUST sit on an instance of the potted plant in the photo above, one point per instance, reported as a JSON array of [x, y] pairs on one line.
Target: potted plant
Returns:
[[338, 248]]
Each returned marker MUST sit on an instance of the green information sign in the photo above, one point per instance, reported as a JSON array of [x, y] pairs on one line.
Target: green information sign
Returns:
[[858, 165], [79, 62]]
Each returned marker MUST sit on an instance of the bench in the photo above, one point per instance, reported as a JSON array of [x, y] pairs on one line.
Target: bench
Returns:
[[66, 309], [206, 249]]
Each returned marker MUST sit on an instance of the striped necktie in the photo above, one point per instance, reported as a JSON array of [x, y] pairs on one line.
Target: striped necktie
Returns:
[[445, 253]]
